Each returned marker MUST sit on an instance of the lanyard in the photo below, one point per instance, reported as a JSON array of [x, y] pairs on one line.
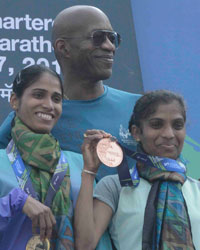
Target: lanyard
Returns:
[[131, 178], [23, 174]]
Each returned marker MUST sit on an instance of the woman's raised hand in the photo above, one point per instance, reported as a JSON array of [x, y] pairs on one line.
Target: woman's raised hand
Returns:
[[91, 138]]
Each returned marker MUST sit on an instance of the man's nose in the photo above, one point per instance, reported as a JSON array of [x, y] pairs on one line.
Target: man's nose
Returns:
[[108, 45]]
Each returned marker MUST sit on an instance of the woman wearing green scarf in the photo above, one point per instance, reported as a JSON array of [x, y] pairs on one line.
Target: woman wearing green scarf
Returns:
[[37, 212], [155, 205]]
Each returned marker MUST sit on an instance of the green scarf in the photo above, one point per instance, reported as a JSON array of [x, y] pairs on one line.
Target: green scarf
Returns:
[[42, 152]]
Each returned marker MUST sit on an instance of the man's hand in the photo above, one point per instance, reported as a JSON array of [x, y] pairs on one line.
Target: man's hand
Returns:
[[41, 217]]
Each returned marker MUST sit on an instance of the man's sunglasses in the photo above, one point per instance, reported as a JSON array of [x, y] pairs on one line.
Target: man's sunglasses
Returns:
[[98, 37]]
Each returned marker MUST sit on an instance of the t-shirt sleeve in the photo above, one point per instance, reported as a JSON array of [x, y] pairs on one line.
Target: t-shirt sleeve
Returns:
[[107, 190], [11, 205], [5, 130], [13, 202]]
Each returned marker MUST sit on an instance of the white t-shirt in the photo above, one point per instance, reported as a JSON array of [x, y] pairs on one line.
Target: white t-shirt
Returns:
[[128, 205]]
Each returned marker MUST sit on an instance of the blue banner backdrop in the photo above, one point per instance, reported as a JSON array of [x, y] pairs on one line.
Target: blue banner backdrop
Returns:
[[25, 28], [168, 41]]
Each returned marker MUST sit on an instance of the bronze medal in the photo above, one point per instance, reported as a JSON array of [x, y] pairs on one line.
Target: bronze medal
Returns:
[[109, 152], [36, 244]]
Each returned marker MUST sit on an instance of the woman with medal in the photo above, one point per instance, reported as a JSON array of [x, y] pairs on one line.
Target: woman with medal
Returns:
[[35, 204], [154, 205]]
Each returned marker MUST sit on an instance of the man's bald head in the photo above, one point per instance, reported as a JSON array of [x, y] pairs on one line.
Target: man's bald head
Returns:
[[76, 19], [74, 49]]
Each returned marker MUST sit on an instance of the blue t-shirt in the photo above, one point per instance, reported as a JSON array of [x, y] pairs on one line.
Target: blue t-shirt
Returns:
[[109, 112]]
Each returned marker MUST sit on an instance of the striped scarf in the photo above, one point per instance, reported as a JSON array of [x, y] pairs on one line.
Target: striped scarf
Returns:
[[166, 222]]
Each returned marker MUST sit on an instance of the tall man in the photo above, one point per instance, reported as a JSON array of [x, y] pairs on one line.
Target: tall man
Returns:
[[85, 43]]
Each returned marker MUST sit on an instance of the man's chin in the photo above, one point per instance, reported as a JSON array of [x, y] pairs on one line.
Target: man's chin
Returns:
[[106, 75]]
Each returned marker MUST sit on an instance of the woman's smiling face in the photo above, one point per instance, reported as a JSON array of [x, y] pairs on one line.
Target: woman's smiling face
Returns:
[[162, 133], [41, 104]]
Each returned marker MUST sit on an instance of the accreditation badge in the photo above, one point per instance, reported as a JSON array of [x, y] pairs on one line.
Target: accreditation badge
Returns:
[[36, 244]]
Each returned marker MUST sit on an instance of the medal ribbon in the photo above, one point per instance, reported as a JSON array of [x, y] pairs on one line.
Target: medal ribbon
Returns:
[[166, 220], [22, 174], [132, 179]]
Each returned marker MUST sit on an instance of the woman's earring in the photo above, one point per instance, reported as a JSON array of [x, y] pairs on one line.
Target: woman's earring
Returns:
[[15, 107]]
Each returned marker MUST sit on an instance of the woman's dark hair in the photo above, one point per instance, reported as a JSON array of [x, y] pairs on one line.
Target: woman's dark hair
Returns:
[[148, 104], [26, 77]]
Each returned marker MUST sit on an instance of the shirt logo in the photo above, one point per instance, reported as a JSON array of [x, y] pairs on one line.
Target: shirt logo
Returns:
[[125, 136]]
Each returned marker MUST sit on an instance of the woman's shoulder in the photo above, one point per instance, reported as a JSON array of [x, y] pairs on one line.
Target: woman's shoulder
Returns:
[[75, 161], [191, 186], [107, 190], [8, 180], [114, 179], [110, 183], [194, 181], [3, 156], [72, 155], [2, 151]]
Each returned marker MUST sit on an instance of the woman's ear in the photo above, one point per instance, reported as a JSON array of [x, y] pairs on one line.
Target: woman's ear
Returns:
[[135, 132], [14, 102]]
